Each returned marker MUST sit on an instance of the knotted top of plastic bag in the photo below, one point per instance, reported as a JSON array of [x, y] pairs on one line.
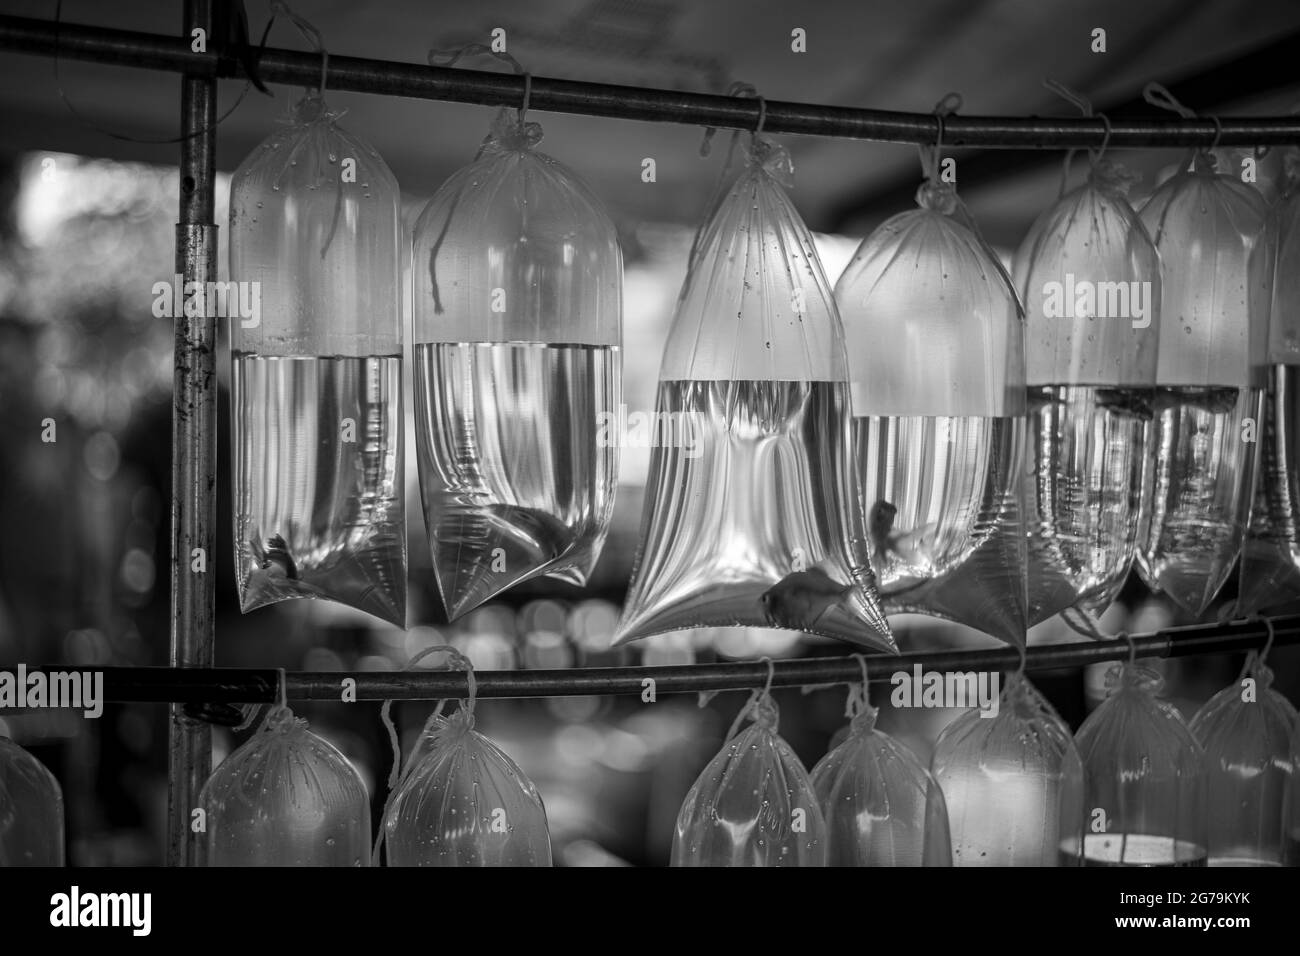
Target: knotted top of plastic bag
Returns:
[[514, 247], [1089, 276], [932, 324], [1204, 225], [756, 305]]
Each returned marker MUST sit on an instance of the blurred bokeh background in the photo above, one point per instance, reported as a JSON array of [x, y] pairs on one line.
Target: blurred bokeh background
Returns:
[[87, 206]]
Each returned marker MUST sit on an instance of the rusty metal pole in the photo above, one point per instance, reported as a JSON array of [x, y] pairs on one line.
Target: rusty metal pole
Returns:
[[194, 447]]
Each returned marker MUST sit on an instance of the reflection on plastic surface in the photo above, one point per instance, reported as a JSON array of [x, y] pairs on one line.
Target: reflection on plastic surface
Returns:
[[754, 804], [1270, 557], [463, 802], [1089, 276], [518, 329], [316, 395], [286, 798], [1013, 783], [882, 807], [31, 810], [1145, 777], [936, 358], [1200, 460], [1246, 732], [750, 522]]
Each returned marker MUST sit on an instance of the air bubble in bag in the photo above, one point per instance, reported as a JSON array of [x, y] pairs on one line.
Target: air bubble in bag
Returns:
[[1146, 780], [881, 806], [1200, 458], [749, 517], [935, 341], [286, 798], [1089, 277], [316, 397], [1270, 557], [518, 324], [1246, 732], [31, 810], [1013, 783], [753, 805]]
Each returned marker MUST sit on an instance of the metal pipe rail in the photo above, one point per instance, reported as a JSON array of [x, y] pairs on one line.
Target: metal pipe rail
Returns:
[[357, 74], [245, 686]]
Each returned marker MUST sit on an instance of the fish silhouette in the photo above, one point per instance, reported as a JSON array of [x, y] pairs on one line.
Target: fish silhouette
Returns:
[[277, 559], [799, 600]]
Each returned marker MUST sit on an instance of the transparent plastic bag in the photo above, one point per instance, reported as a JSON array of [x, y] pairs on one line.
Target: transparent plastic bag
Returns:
[[1089, 276], [935, 343], [518, 370], [753, 805], [1200, 460], [1291, 804], [1013, 783], [1146, 779], [749, 517], [286, 798], [881, 806], [1270, 557], [460, 801], [1246, 732], [31, 810], [316, 396]]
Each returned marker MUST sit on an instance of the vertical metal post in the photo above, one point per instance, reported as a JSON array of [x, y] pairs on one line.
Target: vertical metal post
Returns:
[[194, 447]]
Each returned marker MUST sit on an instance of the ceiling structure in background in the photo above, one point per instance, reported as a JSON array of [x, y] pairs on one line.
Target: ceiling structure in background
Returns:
[[887, 54]]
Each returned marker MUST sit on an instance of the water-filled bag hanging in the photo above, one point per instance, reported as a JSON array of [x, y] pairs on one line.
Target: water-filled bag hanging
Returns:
[[1291, 804], [749, 517], [31, 810], [316, 401], [753, 805], [1013, 783], [1270, 557], [286, 798], [881, 806], [936, 359], [1202, 450], [1089, 277], [517, 328], [1145, 775], [460, 800], [1246, 732]]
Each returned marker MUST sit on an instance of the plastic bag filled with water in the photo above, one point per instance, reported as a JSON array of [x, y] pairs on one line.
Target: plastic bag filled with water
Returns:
[[1013, 783], [1291, 804], [1145, 775], [286, 798], [749, 516], [754, 804], [518, 329], [463, 802], [1089, 277], [881, 806], [31, 810], [1246, 732], [316, 400], [1201, 454], [936, 359], [1270, 557]]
